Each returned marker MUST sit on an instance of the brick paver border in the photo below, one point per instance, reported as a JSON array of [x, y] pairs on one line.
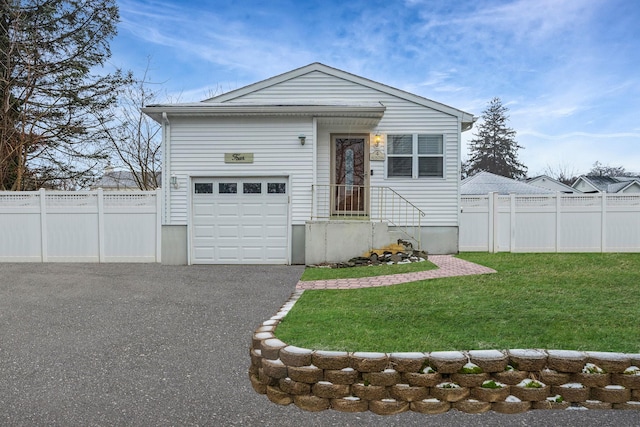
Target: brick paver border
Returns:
[[448, 266]]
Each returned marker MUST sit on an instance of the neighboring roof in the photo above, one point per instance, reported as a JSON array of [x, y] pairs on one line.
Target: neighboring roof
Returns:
[[486, 182], [119, 180], [545, 181], [222, 101], [608, 184]]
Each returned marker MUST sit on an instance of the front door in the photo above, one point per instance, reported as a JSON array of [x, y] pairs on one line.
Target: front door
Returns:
[[351, 192]]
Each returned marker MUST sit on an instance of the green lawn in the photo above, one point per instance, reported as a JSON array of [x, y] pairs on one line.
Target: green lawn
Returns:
[[366, 271], [553, 301]]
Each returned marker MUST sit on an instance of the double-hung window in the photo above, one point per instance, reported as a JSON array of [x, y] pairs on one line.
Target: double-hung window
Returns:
[[415, 156]]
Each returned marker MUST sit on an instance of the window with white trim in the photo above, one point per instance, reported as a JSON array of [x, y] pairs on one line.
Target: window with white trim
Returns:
[[415, 156]]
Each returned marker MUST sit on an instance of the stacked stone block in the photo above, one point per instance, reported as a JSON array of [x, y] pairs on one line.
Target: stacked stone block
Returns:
[[507, 381]]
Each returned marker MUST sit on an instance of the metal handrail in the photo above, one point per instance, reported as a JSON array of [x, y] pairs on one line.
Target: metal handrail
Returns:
[[373, 203]]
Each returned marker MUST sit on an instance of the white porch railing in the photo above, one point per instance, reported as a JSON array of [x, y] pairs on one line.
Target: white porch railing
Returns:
[[372, 203]]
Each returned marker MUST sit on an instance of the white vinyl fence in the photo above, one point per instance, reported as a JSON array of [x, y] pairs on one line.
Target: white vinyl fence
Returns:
[[92, 226], [550, 223]]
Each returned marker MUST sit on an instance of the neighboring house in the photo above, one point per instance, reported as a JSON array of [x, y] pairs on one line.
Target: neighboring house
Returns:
[[549, 183], [118, 180], [272, 172], [607, 184], [486, 182]]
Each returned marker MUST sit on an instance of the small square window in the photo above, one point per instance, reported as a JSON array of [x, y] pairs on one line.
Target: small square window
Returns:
[[227, 188], [430, 144], [400, 144], [252, 188], [276, 188], [399, 166], [430, 166], [203, 188]]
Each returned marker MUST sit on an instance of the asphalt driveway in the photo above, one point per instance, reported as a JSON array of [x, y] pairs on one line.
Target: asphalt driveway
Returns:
[[145, 344]]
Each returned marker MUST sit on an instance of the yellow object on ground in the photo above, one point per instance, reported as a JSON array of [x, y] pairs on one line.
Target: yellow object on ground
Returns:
[[394, 248]]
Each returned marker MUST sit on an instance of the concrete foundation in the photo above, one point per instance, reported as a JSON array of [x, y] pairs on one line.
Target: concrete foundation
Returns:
[[297, 244], [338, 241], [335, 241], [174, 245]]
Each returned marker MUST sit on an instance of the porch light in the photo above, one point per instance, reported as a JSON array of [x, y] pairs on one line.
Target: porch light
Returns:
[[174, 181], [302, 139], [377, 138]]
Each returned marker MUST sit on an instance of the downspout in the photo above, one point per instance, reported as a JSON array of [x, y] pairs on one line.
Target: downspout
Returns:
[[314, 172], [166, 161]]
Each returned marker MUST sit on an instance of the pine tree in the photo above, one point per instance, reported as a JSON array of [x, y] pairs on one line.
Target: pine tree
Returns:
[[494, 148], [51, 99]]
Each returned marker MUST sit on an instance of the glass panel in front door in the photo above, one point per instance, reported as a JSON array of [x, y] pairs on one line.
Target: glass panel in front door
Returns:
[[350, 175]]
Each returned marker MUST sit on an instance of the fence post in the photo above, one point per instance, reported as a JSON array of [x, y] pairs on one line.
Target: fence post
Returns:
[[603, 224], [43, 226], [558, 209], [100, 199], [512, 223], [491, 202], [159, 224]]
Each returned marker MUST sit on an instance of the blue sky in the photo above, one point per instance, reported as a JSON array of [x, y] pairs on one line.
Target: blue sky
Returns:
[[568, 70]]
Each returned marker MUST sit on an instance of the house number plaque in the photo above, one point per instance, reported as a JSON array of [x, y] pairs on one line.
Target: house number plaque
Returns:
[[238, 157]]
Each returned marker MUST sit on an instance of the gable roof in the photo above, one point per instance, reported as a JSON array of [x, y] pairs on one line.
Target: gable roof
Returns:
[[225, 103], [487, 182], [545, 181], [608, 184]]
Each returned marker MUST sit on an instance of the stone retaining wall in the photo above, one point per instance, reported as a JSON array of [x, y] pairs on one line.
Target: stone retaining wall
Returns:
[[435, 382]]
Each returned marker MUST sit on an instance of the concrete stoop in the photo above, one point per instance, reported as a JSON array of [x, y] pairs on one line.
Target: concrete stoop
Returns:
[[337, 241]]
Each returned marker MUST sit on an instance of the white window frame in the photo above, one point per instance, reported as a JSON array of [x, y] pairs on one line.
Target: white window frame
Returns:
[[415, 156]]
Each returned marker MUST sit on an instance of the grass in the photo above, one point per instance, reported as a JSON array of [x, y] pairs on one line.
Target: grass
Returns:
[[553, 301], [367, 271]]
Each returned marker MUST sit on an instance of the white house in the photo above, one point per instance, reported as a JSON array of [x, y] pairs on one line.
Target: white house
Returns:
[[607, 184], [487, 182], [549, 183], [307, 166]]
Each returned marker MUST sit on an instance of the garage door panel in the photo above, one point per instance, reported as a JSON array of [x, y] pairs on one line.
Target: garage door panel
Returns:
[[241, 227], [252, 253], [203, 253], [228, 252], [203, 210], [228, 231], [249, 235], [255, 210], [277, 256], [275, 232], [226, 209], [204, 231]]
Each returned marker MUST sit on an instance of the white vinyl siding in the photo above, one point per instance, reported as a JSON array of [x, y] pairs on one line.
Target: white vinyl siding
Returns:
[[437, 197], [198, 146]]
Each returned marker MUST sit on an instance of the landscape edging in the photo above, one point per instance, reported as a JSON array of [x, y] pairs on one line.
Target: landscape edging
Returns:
[[390, 383]]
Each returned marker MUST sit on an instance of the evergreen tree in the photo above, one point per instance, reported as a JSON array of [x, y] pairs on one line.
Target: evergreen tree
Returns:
[[52, 102], [494, 148]]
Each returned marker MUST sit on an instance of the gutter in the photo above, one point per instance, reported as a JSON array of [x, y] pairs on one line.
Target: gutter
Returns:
[[166, 176], [203, 109]]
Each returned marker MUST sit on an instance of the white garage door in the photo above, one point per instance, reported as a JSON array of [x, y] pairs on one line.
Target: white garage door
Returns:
[[240, 220]]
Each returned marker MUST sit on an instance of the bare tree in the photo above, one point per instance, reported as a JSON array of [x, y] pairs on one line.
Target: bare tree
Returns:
[[133, 138], [49, 94], [598, 169], [562, 172]]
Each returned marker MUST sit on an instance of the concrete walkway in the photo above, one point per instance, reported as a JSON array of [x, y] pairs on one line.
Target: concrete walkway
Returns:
[[448, 266]]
